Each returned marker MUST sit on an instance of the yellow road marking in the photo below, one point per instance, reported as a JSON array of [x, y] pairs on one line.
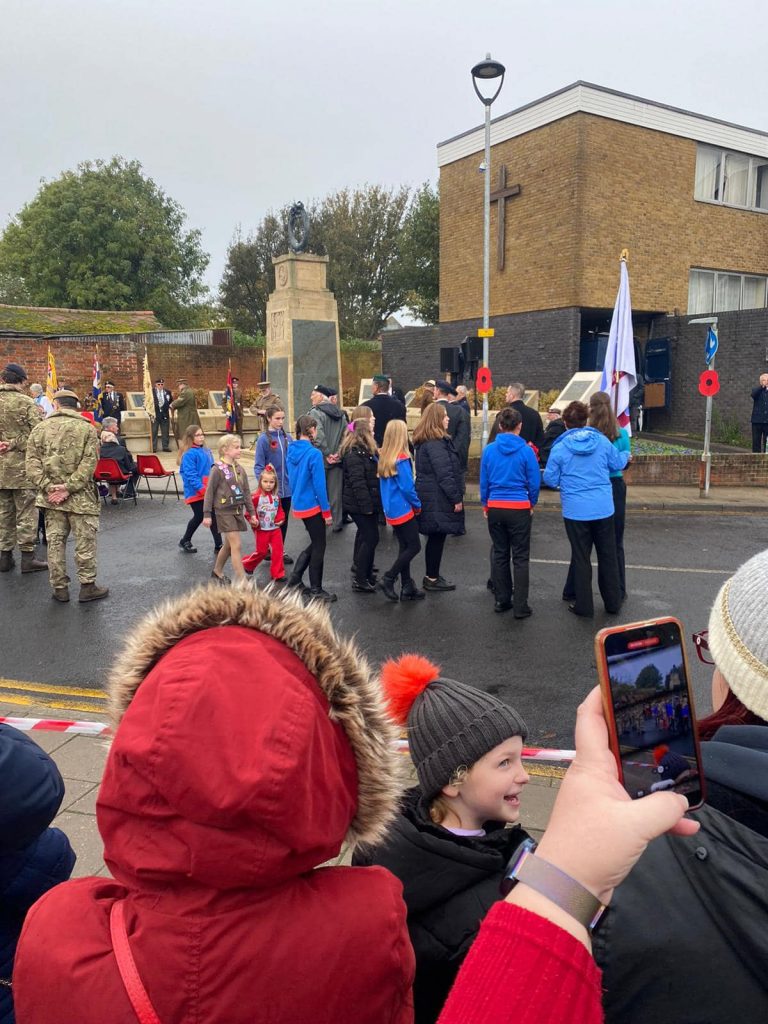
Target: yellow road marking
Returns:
[[42, 702], [65, 691]]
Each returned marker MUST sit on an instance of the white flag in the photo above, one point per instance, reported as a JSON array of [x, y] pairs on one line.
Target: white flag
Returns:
[[619, 371]]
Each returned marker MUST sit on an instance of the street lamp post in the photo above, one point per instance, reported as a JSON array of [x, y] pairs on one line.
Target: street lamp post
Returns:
[[487, 71], [706, 455]]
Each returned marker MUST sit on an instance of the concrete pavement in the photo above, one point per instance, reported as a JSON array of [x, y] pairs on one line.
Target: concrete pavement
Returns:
[[80, 759]]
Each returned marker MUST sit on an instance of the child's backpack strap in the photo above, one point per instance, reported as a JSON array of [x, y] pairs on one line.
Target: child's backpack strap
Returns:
[[134, 986]]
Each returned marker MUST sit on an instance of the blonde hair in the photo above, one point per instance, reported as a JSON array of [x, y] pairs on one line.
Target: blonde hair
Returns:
[[439, 809], [227, 441], [430, 426], [267, 471], [395, 442]]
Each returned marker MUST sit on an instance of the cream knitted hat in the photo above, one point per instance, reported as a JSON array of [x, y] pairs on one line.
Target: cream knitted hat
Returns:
[[738, 634]]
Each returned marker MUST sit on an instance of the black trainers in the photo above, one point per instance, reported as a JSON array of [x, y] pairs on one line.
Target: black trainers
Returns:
[[410, 592], [186, 545], [318, 594], [438, 584], [363, 588], [287, 560]]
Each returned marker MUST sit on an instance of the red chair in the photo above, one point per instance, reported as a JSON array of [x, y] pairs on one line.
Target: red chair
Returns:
[[108, 472], [151, 467]]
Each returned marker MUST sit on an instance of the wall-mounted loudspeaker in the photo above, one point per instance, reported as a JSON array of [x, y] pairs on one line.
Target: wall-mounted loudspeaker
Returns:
[[449, 360]]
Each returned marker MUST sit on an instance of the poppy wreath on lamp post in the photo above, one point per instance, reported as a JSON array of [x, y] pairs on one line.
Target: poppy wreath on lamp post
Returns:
[[709, 383]]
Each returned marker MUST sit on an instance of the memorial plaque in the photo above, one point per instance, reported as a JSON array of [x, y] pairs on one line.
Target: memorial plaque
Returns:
[[314, 360]]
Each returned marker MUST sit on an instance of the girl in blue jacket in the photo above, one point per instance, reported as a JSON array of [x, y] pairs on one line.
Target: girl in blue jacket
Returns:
[[309, 503], [195, 461], [272, 450], [401, 505]]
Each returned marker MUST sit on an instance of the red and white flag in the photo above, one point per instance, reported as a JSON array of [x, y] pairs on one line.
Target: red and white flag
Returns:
[[619, 370]]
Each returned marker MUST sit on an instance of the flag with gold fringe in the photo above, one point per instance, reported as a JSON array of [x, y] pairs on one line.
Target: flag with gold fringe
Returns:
[[149, 395], [229, 403], [51, 380]]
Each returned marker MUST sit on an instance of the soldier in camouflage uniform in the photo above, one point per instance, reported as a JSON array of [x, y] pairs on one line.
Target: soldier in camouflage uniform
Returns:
[[18, 515], [62, 452]]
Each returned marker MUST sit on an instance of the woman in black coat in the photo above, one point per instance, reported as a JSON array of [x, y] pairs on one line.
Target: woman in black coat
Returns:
[[361, 497], [439, 484], [110, 448]]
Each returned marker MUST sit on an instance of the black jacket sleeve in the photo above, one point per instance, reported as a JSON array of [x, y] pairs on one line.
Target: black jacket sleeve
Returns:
[[462, 436]]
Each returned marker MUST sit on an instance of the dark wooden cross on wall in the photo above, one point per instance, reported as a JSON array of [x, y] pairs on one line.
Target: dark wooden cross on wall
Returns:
[[500, 196]]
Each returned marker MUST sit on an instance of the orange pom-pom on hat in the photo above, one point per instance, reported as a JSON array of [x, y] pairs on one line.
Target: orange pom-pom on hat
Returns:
[[403, 680], [449, 723]]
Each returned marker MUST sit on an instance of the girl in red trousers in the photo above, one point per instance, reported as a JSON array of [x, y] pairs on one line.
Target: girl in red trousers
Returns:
[[265, 524]]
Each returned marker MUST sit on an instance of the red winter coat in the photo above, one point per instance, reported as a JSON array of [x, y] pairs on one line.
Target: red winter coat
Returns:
[[236, 769]]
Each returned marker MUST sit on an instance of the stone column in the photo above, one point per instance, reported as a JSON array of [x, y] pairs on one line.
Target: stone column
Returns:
[[302, 332]]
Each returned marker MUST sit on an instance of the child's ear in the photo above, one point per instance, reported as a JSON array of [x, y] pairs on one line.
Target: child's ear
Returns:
[[449, 790]]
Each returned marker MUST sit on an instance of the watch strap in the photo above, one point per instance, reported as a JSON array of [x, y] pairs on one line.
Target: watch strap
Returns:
[[560, 888]]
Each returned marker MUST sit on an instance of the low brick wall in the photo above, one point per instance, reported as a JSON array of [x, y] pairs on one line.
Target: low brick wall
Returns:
[[683, 470]]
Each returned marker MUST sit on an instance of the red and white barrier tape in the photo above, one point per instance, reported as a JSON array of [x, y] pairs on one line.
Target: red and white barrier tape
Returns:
[[55, 725], [529, 753]]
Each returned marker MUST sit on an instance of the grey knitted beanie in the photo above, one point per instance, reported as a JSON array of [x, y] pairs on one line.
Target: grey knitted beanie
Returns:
[[738, 634], [450, 724]]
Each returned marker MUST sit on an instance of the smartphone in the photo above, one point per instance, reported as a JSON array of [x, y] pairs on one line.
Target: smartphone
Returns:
[[648, 705]]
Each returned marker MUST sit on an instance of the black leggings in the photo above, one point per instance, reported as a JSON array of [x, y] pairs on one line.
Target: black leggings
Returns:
[[433, 554], [196, 508], [408, 539], [286, 506], [314, 554], [366, 539]]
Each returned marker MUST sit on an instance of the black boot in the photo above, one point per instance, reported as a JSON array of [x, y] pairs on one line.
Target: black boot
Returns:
[[410, 592], [7, 561], [387, 585], [299, 568]]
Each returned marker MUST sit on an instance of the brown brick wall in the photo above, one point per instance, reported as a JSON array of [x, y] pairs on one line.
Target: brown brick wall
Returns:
[[204, 367], [590, 187], [123, 362]]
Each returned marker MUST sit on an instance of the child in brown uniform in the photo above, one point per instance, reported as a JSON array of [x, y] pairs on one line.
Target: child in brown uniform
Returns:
[[229, 495]]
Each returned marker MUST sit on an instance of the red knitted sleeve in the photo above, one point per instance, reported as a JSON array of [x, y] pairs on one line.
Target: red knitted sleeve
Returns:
[[522, 969]]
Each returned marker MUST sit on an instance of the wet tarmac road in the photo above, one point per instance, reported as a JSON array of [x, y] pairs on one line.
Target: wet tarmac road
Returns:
[[543, 665]]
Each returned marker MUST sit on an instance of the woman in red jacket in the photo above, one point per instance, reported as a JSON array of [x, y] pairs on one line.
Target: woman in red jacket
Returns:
[[245, 754]]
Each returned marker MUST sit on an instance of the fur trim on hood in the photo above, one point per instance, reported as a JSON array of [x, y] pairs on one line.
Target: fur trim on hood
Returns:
[[342, 672]]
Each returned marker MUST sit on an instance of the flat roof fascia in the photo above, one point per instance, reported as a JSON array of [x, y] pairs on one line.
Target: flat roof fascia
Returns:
[[616, 106]]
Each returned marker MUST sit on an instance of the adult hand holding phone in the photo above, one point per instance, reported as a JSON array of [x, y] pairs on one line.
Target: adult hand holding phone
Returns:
[[596, 832]]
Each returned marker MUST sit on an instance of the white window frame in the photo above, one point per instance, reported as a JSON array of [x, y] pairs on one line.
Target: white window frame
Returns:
[[754, 163], [729, 273]]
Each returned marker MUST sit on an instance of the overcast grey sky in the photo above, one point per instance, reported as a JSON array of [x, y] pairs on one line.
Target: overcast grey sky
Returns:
[[235, 107]]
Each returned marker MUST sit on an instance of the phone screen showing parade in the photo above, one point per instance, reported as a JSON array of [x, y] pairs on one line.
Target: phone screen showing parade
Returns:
[[653, 711]]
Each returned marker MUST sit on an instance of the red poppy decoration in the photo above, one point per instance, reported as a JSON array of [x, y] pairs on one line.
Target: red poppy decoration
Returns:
[[273, 444], [484, 381], [709, 383]]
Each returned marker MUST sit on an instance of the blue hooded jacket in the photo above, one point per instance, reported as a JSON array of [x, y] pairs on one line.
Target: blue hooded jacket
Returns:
[[272, 447], [509, 474], [580, 464], [306, 475], [33, 857], [398, 493], [195, 465]]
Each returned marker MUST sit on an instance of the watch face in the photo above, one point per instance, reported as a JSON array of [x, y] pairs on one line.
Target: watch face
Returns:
[[509, 881]]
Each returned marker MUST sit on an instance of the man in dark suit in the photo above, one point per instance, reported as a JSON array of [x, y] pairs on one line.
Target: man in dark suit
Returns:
[[161, 422], [385, 407], [531, 430], [459, 427], [112, 402]]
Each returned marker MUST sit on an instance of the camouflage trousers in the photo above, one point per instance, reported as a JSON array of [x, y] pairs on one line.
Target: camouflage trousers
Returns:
[[85, 530], [18, 519]]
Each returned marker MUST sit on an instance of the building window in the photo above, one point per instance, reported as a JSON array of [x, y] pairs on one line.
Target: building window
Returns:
[[734, 179], [715, 291]]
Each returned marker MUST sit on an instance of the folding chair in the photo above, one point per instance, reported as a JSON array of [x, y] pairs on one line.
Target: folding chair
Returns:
[[151, 466], [108, 472]]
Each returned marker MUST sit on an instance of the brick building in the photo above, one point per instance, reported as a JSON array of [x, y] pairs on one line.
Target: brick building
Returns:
[[599, 171]]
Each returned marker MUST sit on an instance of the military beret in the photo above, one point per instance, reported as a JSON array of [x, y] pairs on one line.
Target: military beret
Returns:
[[15, 370], [445, 387], [323, 390], [380, 378], [65, 393]]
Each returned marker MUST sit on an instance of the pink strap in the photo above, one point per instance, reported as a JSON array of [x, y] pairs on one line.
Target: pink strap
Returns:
[[137, 994]]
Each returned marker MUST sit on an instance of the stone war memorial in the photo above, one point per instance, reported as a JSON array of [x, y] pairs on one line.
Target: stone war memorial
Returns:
[[302, 323]]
